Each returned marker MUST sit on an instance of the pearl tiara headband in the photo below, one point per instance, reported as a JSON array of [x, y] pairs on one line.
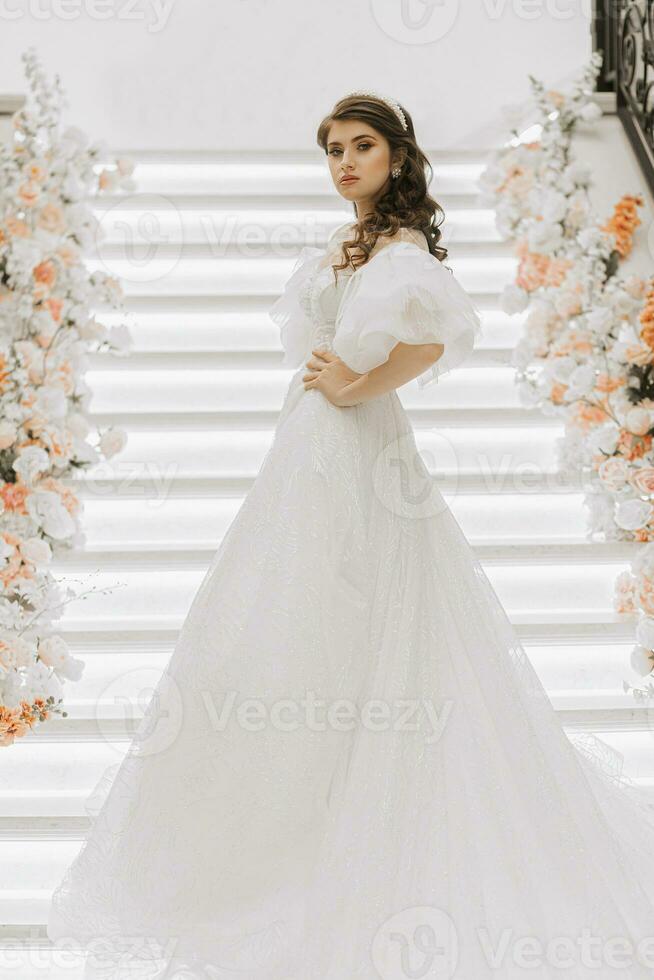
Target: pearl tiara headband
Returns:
[[391, 103]]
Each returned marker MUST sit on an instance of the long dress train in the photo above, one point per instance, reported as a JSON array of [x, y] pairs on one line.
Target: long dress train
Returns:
[[350, 769]]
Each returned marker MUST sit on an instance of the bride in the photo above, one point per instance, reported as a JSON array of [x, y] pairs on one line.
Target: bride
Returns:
[[349, 768]]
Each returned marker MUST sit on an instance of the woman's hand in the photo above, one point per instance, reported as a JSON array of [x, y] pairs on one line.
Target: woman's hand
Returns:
[[330, 375]]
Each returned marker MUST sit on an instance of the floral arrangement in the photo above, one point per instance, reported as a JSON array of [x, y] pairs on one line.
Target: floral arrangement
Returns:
[[586, 354], [47, 175]]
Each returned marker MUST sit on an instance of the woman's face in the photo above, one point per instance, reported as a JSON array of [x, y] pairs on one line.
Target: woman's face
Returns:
[[356, 149]]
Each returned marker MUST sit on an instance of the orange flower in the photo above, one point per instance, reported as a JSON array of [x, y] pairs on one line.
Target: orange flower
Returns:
[[632, 446], [45, 273], [558, 392], [5, 373], [624, 222], [607, 384], [13, 496], [586, 416], [55, 306]]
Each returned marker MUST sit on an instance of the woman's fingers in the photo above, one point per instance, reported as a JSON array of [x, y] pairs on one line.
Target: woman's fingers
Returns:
[[326, 355]]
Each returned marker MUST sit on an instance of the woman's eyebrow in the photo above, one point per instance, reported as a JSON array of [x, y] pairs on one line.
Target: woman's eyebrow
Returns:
[[353, 140]]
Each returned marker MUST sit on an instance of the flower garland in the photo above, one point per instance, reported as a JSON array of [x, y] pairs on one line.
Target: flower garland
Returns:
[[586, 354], [47, 328]]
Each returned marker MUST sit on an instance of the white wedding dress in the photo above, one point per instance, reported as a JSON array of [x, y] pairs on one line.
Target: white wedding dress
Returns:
[[453, 816]]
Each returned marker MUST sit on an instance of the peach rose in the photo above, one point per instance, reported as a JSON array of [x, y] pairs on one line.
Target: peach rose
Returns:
[[45, 273], [29, 193], [642, 479], [51, 218], [16, 227]]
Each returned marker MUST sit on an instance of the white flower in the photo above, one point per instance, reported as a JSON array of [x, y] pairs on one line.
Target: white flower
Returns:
[[36, 550], [31, 461], [51, 402], [638, 421], [633, 514], [582, 380], [112, 441], [604, 438], [78, 425], [514, 299], [54, 652], [553, 206], [600, 320], [590, 112], [8, 433], [46, 508], [544, 237], [645, 632], [121, 338], [642, 661]]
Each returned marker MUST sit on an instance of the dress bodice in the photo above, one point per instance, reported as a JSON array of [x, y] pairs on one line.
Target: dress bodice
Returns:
[[320, 298]]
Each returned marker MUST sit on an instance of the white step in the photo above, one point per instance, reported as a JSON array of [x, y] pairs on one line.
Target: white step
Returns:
[[295, 177], [187, 522], [191, 331], [178, 391], [541, 579], [262, 277], [512, 458], [195, 220]]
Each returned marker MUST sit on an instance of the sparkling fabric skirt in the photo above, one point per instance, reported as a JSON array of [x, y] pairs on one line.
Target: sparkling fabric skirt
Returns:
[[350, 769]]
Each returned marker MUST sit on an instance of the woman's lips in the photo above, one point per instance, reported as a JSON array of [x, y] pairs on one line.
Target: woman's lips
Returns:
[[348, 180]]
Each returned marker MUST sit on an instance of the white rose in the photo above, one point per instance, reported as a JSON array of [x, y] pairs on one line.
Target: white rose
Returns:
[[8, 433], [46, 508], [78, 425], [54, 652], [600, 320], [36, 550], [31, 461], [638, 421], [112, 441], [92, 330], [641, 661], [633, 514], [645, 632], [544, 237], [582, 379], [120, 337], [591, 112], [514, 299], [51, 402], [554, 206], [561, 368]]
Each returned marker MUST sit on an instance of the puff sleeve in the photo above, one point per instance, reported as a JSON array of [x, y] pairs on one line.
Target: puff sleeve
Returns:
[[405, 294], [290, 311]]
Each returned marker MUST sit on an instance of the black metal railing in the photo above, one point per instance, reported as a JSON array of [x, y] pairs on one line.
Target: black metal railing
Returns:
[[623, 30]]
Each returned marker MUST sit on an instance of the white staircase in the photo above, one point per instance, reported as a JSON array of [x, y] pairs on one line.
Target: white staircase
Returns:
[[199, 396]]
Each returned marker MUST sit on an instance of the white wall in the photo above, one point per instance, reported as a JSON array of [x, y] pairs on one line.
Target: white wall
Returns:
[[246, 74]]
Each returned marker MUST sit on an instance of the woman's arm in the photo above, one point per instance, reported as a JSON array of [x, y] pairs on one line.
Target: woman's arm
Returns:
[[345, 387]]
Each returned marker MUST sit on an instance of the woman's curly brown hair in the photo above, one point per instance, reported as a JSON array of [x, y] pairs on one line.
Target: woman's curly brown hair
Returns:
[[407, 202]]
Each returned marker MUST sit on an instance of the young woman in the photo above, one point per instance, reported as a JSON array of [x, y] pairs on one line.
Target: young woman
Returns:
[[350, 769]]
